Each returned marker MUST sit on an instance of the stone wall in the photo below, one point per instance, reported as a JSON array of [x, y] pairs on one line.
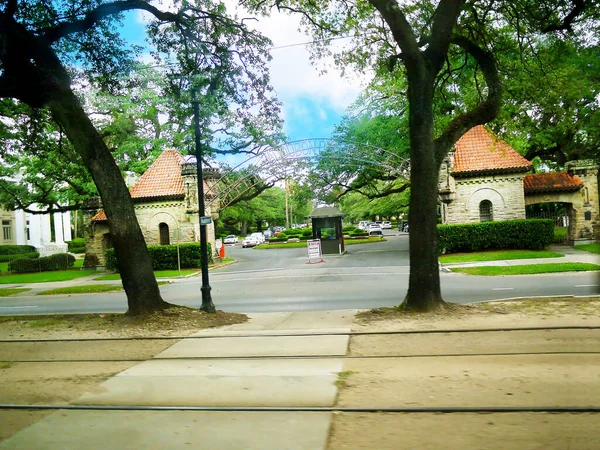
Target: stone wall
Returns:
[[586, 202], [504, 191]]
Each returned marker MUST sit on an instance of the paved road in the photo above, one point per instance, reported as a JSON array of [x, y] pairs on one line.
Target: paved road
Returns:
[[369, 276]]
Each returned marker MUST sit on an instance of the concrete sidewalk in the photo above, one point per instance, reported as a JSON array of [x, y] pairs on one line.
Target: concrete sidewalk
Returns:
[[223, 369]]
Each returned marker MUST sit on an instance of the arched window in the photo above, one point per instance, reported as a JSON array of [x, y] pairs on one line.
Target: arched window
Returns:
[[163, 231], [486, 212]]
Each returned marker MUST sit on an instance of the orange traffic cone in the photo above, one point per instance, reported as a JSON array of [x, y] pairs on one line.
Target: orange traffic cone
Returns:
[[222, 251]]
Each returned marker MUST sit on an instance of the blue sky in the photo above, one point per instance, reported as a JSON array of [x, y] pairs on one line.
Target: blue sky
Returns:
[[312, 104]]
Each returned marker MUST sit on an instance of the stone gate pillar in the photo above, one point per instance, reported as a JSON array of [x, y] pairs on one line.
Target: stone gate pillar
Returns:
[[585, 216]]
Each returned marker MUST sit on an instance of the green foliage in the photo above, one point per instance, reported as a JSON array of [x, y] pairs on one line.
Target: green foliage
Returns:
[[31, 255], [76, 244], [16, 249], [530, 234], [164, 257], [307, 232], [58, 261]]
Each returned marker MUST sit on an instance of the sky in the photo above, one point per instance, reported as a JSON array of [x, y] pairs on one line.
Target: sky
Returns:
[[312, 104]]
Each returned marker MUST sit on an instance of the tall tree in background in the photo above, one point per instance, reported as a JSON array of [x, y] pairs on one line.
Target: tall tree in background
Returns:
[[415, 39], [46, 44]]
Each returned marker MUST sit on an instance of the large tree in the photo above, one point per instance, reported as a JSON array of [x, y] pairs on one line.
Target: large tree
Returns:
[[416, 38], [46, 45]]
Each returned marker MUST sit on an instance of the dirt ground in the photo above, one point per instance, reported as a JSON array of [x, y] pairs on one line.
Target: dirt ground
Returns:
[[499, 368]]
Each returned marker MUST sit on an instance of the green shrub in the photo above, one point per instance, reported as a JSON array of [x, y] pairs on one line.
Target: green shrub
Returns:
[[307, 233], [90, 260], [279, 238], [77, 249], [523, 234], [350, 228], [76, 244], [164, 257], [59, 261], [30, 255], [16, 249], [358, 232]]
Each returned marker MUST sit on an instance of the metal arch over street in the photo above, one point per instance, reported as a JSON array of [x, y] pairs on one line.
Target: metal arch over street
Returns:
[[297, 158]]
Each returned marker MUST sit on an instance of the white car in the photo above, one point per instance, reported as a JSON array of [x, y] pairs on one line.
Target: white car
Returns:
[[230, 239], [250, 241], [386, 225], [363, 224], [259, 237], [374, 228]]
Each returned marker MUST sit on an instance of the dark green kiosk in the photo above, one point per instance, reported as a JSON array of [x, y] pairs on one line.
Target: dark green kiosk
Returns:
[[327, 227]]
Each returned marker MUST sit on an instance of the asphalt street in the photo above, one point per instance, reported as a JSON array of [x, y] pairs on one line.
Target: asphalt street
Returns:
[[368, 276]]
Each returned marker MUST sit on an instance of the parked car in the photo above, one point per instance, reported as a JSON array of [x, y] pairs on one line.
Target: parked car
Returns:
[[386, 225], [374, 229], [403, 226], [230, 239], [363, 224], [250, 241], [259, 237]]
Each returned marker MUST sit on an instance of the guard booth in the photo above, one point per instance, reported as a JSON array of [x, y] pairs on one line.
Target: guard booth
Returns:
[[327, 227]]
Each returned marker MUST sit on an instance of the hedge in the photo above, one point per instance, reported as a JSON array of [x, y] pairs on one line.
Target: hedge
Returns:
[[30, 255], [76, 244], [16, 249], [164, 257], [58, 261], [523, 234]]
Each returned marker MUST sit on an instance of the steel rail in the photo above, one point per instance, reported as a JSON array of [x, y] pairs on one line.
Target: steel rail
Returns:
[[348, 333], [400, 409], [295, 357]]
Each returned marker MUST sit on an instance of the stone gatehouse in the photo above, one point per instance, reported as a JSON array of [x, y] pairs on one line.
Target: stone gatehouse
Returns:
[[166, 205], [484, 179]]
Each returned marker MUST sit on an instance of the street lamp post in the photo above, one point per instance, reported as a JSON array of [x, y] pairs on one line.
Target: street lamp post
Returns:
[[207, 304]]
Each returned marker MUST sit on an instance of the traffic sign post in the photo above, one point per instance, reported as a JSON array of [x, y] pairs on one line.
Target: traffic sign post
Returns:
[[315, 255]]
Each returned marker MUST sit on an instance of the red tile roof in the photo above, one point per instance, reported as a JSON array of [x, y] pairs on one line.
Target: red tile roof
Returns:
[[162, 179], [551, 182], [479, 151], [100, 217]]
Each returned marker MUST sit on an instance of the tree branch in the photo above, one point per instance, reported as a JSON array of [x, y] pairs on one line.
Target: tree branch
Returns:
[[400, 28], [482, 113], [578, 8], [445, 18]]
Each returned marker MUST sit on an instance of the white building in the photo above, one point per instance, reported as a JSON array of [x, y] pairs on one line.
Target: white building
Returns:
[[22, 228]]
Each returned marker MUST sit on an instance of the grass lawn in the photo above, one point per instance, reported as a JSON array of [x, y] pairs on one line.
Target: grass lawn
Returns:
[[303, 244], [88, 289], [7, 292], [42, 277], [529, 269], [592, 248], [497, 255], [157, 274]]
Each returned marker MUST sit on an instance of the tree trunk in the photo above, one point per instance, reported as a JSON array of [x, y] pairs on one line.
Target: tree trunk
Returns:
[[135, 265], [424, 293]]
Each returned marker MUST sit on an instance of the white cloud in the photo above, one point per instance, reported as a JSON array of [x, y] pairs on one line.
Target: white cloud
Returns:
[[292, 73]]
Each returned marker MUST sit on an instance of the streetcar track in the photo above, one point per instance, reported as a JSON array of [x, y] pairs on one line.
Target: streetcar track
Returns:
[[268, 335], [299, 357], [350, 409]]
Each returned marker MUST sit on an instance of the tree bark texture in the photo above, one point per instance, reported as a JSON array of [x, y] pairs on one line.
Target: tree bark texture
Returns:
[[424, 292], [135, 264], [32, 73]]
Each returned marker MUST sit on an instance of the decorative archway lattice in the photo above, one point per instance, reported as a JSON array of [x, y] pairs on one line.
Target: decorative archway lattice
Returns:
[[334, 160]]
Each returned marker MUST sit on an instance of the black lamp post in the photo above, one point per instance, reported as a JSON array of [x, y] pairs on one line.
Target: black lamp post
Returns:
[[207, 304]]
